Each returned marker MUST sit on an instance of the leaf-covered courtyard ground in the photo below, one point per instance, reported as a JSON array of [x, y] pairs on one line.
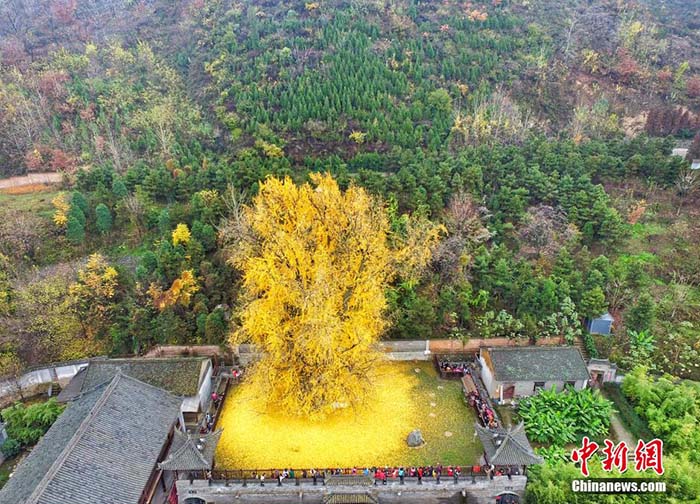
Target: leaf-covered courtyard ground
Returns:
[[407, 396]]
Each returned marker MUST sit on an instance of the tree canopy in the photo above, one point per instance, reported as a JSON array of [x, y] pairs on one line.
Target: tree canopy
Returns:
[[315, 262]]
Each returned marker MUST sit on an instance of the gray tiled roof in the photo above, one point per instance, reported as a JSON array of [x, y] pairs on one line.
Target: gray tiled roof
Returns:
[[513, 364], [74, 387], [507, 447], [185, 453], [102, 449], [179, 376], [26, 476]]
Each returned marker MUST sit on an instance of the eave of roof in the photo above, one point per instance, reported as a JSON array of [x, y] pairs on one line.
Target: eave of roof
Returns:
[[514, 449], [185, 454]]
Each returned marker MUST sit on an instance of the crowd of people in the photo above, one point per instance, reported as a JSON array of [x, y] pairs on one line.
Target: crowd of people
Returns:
[[209, 420], [486, 415], [436, 472], [381, 475], [484, 411], [451, 367]]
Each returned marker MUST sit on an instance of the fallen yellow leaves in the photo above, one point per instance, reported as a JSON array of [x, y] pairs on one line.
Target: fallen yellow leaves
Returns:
[[256, 437]]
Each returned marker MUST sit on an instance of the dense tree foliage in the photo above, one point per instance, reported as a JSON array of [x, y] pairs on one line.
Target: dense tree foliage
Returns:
[[671, 409], [458, 114], [315, 263]]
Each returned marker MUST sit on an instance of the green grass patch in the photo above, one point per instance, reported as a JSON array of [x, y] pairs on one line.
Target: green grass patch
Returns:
[[37, 202], [646, 229], [7, 467]]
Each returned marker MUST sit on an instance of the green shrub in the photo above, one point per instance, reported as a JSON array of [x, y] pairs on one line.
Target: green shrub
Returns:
[[75, 231], [565, 417], [26, 424], [671, 409], [590, 345], [11, 448], [103, 218]]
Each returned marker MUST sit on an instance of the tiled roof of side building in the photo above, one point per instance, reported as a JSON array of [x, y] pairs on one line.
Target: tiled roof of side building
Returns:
[[507, 447], [179, 376], [540, 363], [26, 476], [191, 452], [103, 448]]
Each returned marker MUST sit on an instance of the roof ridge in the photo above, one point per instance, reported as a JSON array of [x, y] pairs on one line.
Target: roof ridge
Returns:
[[532, 347], [193, 447], [79, 432], [189, 443], [510, 436]]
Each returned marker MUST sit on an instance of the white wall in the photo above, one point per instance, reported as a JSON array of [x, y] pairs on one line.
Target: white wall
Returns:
[[489, 382], [205, 389], [36, 377], [526, 388]]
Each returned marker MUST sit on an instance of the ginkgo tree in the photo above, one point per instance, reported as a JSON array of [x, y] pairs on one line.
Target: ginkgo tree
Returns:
[[315, 263]]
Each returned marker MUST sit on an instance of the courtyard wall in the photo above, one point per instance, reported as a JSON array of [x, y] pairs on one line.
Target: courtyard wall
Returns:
[[482, 491]]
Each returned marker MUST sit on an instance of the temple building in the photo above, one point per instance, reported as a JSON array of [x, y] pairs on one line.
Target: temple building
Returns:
[[510, 372]]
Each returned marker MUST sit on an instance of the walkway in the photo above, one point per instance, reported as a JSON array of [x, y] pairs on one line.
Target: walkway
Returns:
[[620, 431]]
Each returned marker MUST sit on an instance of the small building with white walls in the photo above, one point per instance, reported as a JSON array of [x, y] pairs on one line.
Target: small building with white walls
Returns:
[[511, 372]]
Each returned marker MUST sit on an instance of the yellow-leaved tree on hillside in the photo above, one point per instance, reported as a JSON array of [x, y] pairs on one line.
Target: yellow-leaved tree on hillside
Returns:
[[316, 262]]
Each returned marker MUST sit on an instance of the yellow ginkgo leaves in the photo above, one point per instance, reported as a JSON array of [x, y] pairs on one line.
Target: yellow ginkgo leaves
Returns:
[[315, 262]]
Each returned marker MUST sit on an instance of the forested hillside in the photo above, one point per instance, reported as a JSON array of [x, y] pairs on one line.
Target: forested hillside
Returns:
[[538, 133], [90, 83], [520, 152]]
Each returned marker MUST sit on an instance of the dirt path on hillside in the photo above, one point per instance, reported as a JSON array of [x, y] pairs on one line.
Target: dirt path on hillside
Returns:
[[32, 178]]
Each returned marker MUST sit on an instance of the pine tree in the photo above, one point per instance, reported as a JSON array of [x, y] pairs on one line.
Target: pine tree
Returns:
[[78, 200], [593, 303], [75, 230], [103, 218], [164, 222], [119, 188]]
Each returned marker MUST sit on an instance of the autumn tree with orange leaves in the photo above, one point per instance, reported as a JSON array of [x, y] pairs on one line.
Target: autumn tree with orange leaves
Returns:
[[316, 262]]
